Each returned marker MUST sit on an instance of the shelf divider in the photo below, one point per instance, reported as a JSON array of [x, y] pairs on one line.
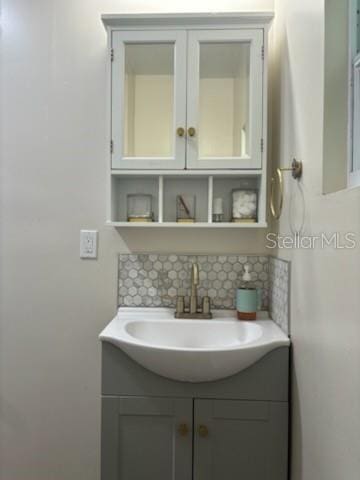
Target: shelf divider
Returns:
[[161, 199], [210, 197]]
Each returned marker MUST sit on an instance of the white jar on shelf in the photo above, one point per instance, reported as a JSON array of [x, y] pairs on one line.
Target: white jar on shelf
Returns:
[[244, 205]]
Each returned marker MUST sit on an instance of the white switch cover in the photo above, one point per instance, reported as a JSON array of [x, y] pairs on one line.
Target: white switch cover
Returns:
[[88, 243]]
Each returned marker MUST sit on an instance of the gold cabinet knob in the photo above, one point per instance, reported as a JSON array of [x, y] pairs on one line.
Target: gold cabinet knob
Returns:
[[203, 431], [191, 132], [183, 429], [180, 131]]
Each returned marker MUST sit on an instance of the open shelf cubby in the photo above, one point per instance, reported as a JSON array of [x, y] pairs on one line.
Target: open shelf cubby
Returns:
[[165, 186], [224, 185], [122, 186], [197, 187]]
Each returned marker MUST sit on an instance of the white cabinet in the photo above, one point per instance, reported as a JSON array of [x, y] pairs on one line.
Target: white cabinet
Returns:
[[187, 97]]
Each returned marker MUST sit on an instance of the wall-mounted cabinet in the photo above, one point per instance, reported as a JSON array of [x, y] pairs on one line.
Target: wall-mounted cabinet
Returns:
[[188, 93]]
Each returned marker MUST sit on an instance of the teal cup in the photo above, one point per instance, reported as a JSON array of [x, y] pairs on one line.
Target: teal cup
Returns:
[[248, 302]]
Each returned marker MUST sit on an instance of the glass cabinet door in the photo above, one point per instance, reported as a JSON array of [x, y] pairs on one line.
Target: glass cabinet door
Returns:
[[225, 95], [148, 99]]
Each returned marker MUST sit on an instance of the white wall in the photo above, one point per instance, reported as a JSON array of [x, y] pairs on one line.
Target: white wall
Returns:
[[52, 304], [325, 300]]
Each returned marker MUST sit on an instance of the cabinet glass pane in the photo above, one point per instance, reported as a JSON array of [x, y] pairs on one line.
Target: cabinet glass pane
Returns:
[[149, 100], [356, 119], [224, 99]]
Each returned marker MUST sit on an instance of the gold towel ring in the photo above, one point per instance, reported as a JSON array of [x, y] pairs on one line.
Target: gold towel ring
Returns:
[[296, 169], [274, 213]]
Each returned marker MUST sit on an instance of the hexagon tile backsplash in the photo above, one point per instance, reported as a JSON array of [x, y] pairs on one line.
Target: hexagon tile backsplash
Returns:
[[279, 292], [154, 280]]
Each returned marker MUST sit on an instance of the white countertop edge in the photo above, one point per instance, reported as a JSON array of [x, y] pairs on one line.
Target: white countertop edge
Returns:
[[111, 332]]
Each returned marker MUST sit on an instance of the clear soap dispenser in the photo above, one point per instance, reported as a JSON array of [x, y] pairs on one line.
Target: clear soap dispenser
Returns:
[[248, 297]]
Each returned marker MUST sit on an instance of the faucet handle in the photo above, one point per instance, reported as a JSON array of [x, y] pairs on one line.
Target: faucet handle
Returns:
[[206, 305], [180, 304]]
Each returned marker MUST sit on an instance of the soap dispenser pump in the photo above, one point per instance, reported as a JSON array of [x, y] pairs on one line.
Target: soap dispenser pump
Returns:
[[246, 276], [248, 298]]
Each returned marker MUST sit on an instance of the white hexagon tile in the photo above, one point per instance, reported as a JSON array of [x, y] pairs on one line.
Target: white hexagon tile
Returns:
[[153, 280]]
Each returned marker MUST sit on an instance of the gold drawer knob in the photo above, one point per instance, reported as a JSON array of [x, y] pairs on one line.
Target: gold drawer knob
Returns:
[[191, 132], [183, 429], [203, 431], [180, 131]]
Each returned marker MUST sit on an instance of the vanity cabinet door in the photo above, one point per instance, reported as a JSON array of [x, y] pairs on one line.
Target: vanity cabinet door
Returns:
[[225, 99], [148, 99], [146, 438], [240, 440]]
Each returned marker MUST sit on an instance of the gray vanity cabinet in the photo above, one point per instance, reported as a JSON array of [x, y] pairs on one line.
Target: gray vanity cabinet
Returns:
[[239, 439], [154, 428], [145, 438]]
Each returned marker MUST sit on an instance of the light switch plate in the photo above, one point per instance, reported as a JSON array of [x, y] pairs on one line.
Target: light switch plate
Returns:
[[88, 243]]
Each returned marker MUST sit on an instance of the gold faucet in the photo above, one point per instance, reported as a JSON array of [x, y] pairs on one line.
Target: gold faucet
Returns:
[[193, 311], [194, 285]]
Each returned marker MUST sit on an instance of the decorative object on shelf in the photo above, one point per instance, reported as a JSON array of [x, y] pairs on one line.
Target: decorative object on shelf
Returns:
[[244, 205], [218, 210], [139, 207], [296, 170], [185, 208]]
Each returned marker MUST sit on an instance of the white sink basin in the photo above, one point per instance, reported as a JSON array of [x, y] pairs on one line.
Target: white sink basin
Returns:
[[192, 350]]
